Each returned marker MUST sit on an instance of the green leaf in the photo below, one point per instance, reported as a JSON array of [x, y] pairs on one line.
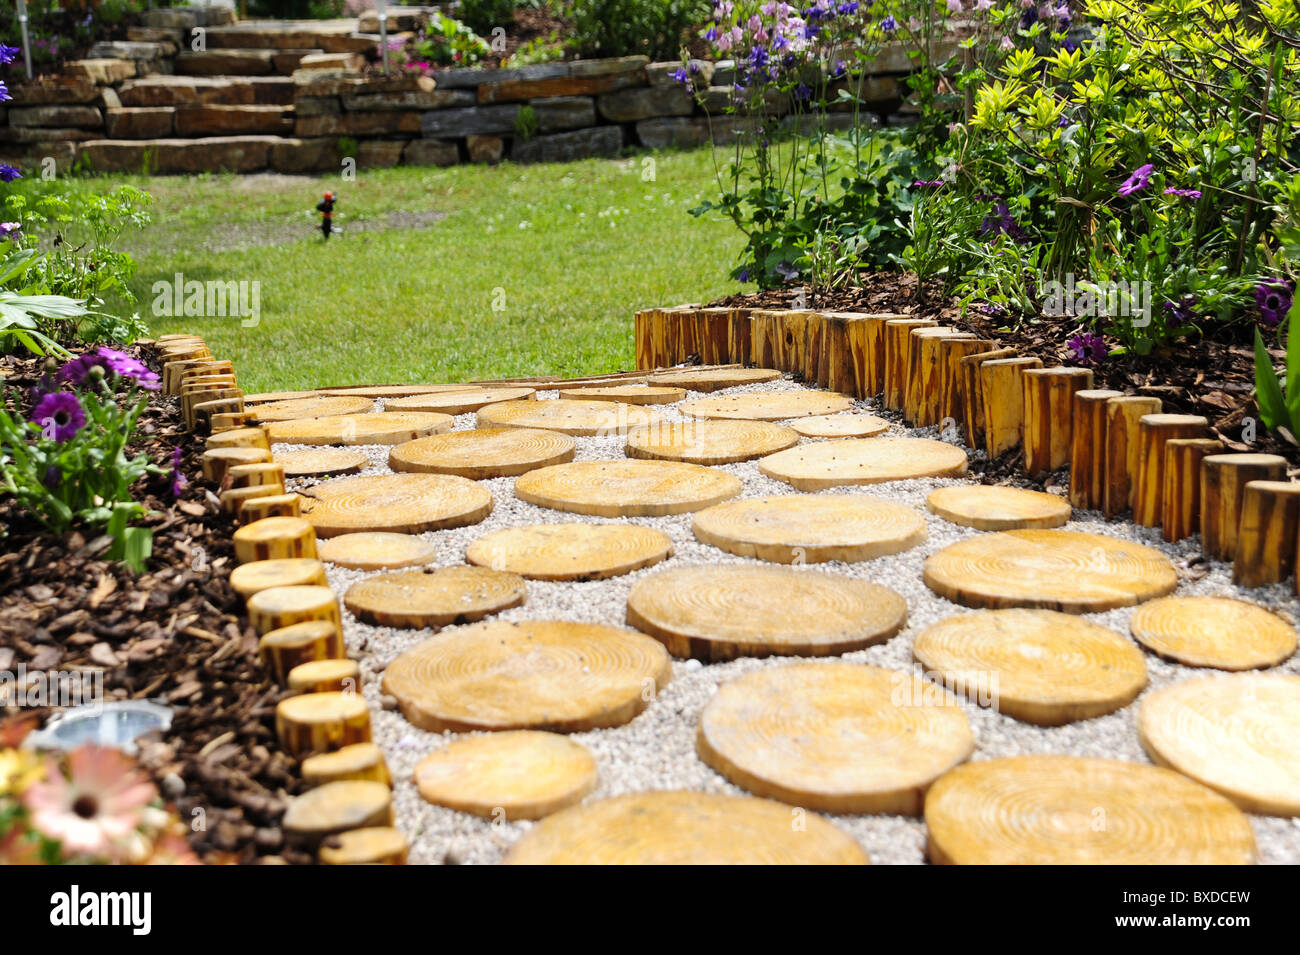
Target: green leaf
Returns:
[[1268, 392], [1293, 367]]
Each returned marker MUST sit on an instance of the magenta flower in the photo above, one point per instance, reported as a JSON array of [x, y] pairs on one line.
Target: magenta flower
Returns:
[[1138, 179], [1183, 193], [1274, 301], [60, 415], [178, 479], [116, 363], [1087, 348], [928, 183]]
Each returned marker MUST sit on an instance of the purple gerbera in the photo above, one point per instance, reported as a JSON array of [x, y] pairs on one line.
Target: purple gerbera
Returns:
[[1138, 179], [116, 363], [1087, 348], [60, 415], [1274, 301]]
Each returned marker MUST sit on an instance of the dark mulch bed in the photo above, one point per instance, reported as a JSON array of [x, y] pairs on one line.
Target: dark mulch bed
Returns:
[[174, 634]]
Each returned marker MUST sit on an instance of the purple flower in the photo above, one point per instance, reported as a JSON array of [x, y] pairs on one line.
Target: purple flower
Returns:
[[1184, 193], [743, 276], [803, 92], [8, 173], [1087, 348], [847, 9], [1138, 179], [4, 93], [1029, 17], [680, 75], [9, 229], [177, 478], [1274, 301], [1181, 311], [7, 53], [1001, 222], [116, 363], [60, 415], [928, 183], [889, 24], [53, 477]]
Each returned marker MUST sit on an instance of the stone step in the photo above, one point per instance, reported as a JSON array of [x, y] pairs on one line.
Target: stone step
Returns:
[[240, 62], [332, 36], [171, 155], [158, 122], [400, 17], [186, 18], [160, 90]]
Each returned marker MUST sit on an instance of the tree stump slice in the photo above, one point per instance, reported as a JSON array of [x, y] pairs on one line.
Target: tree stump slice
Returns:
[[1180, 495], [992, 508], [1154, 431], [684, 828], [377, 550], [631, 394], [535, 674], [337, 807], [578, 418], [1223, 482], [363, 761], [628, 488], [703, 441], [392, 391], [274, 538], [401, 503], [255, 475], [219, 460], [1239, 735], [374, 845], [1049, 569], [384, 427], [337, 675], [790, 529], [862, 461], [833, 737], [321, 462], [713, 379], [230, 421], [1002, 396], [768, 405], [897, 340], [258, 575], [570, 551], [414, 598], [840, 426], [239, 438], [1038, 666], [721, 612], [318, 406], [233, 499], [1088, 447], [279, 607], [459, 402], [1265, 550], [521, 774], [320, 722], [486, 453], [273, 505], [1217, 632], [1073, 810], [284, 649], [1123, 449]]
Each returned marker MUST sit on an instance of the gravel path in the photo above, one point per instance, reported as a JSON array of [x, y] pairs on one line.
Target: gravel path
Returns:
[[657, 749]]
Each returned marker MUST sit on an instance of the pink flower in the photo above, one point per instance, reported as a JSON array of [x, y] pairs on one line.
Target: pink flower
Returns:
[[983, 5], [954, 6], [1006, 45], [96, 806], [724, 42]]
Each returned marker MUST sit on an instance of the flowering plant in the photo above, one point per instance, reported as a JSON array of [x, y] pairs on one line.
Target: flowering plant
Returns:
[[448, 42], [1279, 401]]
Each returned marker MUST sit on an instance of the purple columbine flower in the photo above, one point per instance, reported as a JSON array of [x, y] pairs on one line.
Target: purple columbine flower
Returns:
[[1274, 301], [7, 53], [1184, 193], [1087, 348], [4, 93], [680, 75], [1138, 179], [847, 9], [803, 92], [60, 415], [743, 276], [1181, 310], [9, 173], [889, 24], [177, 478]]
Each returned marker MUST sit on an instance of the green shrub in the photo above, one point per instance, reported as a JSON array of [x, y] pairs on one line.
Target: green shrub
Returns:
[[482, 15], [657, 28]]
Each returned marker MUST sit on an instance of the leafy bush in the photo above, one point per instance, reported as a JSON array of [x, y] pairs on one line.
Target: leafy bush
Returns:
[[482, 15], [297, 9], [656, 28], [446, 42]]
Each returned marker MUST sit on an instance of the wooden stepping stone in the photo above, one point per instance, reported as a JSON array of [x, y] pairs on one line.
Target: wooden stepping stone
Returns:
[[376, 550], [700, 441], [522, 774], [626, 488], [317, 406], [1051, 569], [580, 418], [385, 427], [570, 551], [337, 807], [713, 379], [485, 453], [402, 503], [319, 722], [392, 391], [287, 648], [823, 464], [990, 508], [1238, 734], [834, 737], [247, 579], [358, 761], [840, 426], [768, 405], [1215, 632], [415, 598], [1039, 666], [1072, 810], [458, 402], [280, 607], [274, 538], [325, 676], [794, 529], [219, 460], [534, 674], [684, 828], [321, 462], [266, 397], [375, 845], [722, 612], [238, 438], [632, 394]]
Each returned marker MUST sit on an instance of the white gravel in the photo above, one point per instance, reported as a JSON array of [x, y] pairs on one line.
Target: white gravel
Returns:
[[657, 749]]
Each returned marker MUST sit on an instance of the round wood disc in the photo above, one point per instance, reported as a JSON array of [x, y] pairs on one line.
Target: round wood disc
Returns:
[[1238, 734], [699, 441], [823, 464], [990, 508], [795, 529], [377, 550], [1073, 810], [626, 488], [338, 807], [713, 379], [582, 418], [684, 828], [768, 405], [632, 394], [535, 674], [521, 774], [1039, 666], [248, 579], [404, 503], [487, 453], [393, 391], [571, 551], [458, 402], [416, 598], [1051, 569], [374, 845], [386, 427], [317, 406], [835, 737], [267, 397], [1215, 632], [721, 612], [321, 462], [840, 426]]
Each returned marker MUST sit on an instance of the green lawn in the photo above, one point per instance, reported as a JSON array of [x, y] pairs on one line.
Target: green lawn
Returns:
[[566, 252]]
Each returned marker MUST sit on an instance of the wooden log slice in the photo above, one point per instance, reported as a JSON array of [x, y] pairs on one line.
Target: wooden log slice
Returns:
[[255, 475], [1180, 493], [721, 612], [534, 674], [794, 529], [339, 675], [386, 427], [570, 551], [284, 649], [377, 550], [1123, 449], [713, 379], [239, 438], [1050, 569], [229, 421], [1088, 447], [1267, 534], [684, 828], [459, 402], [522, 774], [1237, 734], [320, 722], [233, 499], [358, 761], [768, 405], [626, 488], [1073, 810], [580, 418], [1039, 666], [319, 406], [701, 441], [337, 807], [1154, 430], [217, 461], [273, 505], [993, 508], [392, 391], [814, 467], [415, 598], [250, 578], [321, 462], [279, 607], [266, 397], [632, 394], [840, 426], [1223, 484], [401, 503], [485, 453], [274, 538], [1217, 632], [374, 845]]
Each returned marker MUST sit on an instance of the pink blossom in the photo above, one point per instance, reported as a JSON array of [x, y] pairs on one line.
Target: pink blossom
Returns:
[[1006, 45], [954, 6]]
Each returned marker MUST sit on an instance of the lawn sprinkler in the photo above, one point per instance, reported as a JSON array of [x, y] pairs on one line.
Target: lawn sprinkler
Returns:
[[326, 209]]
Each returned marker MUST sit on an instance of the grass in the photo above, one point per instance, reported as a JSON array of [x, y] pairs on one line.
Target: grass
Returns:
[[440, 274]]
